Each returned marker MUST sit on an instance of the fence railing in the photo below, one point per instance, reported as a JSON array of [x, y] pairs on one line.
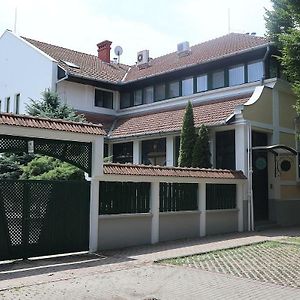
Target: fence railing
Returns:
[[178, 197], [220, 196], [124, 197]]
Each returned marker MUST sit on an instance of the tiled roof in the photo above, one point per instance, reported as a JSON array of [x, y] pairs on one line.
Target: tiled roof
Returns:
[[52, 124], [226, 45], [142, 170], [90, 66], [212, 113]]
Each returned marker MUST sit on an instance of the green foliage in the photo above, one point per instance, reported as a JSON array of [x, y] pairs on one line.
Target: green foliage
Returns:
[[187, 138], [10, 165], [283, 27], [49, 168], [50, 106], [201, 153]]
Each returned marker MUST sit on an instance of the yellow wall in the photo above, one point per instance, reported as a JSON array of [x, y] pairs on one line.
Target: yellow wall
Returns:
[[262, 109], [288, 139], [290, 192], [287, 113]]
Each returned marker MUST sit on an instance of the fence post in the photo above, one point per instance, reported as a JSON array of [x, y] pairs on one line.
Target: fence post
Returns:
[[202, 207], [239, 204], [154, 194]]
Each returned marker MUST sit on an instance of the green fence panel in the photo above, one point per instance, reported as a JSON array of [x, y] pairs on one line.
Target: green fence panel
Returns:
[[178, 196], [124, 197], [220, 196]]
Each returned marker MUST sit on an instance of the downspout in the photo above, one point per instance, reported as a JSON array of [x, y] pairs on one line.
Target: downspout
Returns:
[[250, 187], [264, 64]]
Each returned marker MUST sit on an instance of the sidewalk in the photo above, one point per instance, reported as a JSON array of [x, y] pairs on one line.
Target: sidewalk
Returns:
[[131, 274]]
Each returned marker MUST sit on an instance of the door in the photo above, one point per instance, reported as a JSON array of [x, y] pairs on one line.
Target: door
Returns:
[[43, 218], [260, 177]]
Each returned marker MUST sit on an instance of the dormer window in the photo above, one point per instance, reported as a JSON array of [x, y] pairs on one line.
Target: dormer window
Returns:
[[236, 75], [173, 90], [103, 99], [187, 86], [202, 83], [255, 71], [218, 80]]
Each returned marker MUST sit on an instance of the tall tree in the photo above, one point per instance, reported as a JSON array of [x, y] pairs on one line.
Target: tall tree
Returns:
[[187, 138], [201, 153], [283, 27]]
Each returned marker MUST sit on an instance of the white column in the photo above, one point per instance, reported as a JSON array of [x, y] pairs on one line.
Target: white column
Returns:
[[136, 152], [155, 212], [97, 170], [241, 148], [202, 207], [110, 149], [239, 202], [170, 150]]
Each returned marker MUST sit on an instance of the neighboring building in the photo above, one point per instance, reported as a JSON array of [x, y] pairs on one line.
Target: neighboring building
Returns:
[[232, 81]]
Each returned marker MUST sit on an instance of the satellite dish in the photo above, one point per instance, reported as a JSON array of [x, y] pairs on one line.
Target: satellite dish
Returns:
[[118, 50]]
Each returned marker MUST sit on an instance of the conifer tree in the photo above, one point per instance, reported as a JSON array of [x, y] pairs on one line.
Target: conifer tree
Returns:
[[187, 138], [201, 153]]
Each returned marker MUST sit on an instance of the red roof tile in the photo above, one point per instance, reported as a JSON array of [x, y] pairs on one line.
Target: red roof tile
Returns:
[[91, 67], [52, 124], [212, 113], [226, 45], [142, 170]]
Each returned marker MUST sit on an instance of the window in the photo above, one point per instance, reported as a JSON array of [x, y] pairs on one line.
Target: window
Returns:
[[123, 152], [148, 94], [125, 100], [7, 108], [160, 92], [202, 83], [236, 75], [103, 99], [17, 103], [225, 150], [255, 71], [187, 86], [154, 152], [138, 97], [218, 80], [173, 89]]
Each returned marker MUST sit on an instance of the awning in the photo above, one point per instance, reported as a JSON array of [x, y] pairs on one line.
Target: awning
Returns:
[[276, 149]]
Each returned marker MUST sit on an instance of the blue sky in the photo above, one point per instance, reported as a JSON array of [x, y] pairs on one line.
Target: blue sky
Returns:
[[134, 24]]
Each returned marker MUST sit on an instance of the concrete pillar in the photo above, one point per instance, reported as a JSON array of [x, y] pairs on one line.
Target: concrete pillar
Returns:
[[202, 207], [155, 212], [136, 152], [241, 148], [239, 202], [97, 170], [170, 151], [110, 149]]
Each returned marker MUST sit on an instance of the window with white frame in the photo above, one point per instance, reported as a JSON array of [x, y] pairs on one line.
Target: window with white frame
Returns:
[[148, 94], [255, 71], [138, 97], [237, 75], [7, 104], [187, 86], [218, 80], [17, 103], [202, 83]]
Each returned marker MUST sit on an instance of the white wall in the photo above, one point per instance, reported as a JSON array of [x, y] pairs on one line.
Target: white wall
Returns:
[[82, 97], [24, 70]]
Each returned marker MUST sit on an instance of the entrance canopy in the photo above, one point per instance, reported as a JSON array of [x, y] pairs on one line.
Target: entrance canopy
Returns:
[[276, 149]]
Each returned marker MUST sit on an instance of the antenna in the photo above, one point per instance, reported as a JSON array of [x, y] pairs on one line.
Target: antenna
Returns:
[[228, 19], [16, 15], [118, 52]]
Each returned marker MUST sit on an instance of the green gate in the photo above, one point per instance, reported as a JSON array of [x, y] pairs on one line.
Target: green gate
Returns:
[[43, 218]]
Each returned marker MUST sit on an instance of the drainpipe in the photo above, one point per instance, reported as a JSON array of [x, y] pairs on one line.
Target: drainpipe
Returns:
[[264, 64], [250, 189]]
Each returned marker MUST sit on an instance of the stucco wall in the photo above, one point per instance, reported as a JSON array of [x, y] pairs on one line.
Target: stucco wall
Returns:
[[287, 212], [24, 70], [81, 97], [179, 225], [287, 112], [221, 221], [123, 231]]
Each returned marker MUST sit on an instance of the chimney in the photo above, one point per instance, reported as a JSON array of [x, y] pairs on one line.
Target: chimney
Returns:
[[104, 51]]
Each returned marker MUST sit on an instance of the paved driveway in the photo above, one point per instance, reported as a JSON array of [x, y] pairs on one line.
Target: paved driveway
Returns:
[[131, 274]]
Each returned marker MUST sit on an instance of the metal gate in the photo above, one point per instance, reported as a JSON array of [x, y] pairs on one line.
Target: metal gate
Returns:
[[43, 217]]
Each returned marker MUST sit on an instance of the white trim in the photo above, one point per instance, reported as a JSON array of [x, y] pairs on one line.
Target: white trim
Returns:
[[222, 210], [202, 208], [154, 204], [180, 212], [170, 155], [125, 216]]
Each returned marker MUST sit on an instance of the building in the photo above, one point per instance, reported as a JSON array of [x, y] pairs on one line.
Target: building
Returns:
[[233, 82]]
